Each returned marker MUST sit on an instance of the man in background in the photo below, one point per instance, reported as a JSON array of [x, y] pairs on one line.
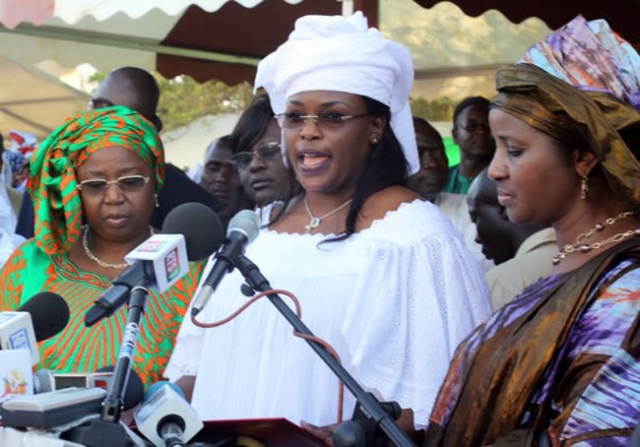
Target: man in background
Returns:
[[430, 181], [522, 252], [220, 178], [472, 134]]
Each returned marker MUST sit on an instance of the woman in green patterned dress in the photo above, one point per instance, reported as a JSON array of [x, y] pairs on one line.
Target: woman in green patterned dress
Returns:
[[104, 167]]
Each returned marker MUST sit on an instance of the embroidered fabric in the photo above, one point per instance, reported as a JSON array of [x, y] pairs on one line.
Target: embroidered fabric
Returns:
[[394, 300]]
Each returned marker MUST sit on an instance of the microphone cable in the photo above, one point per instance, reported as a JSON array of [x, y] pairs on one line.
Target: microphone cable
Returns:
[[296, 302]]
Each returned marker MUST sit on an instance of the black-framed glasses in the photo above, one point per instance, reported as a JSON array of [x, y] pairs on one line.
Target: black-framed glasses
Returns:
[[267, 153], [475, 127], [128, 183], [327, 120]]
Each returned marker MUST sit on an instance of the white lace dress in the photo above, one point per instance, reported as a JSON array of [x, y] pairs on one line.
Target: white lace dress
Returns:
[[394, 300]]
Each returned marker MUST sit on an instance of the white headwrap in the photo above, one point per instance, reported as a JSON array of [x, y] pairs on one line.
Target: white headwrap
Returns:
[[342, 54]]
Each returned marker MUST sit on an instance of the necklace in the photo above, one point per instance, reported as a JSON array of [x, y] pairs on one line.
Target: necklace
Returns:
[[100, 262], [580, 247], [315, 221]]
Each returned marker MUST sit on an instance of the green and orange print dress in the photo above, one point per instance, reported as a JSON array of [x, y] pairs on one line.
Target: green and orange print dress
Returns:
[[79, 348]]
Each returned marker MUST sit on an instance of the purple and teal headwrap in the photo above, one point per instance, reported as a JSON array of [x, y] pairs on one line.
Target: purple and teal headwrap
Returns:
[[586, 72], [58, 206]]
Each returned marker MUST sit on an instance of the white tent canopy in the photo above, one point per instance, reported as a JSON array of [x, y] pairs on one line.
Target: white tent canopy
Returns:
[[33, 101], [110, 33]]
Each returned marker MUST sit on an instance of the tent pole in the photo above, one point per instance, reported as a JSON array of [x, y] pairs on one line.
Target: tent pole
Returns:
[[347, 8]]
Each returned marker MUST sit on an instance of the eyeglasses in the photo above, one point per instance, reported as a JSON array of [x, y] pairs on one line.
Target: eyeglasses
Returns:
[[101, 103], [128, 183], [328, 120], [267, 153], [474, 127]]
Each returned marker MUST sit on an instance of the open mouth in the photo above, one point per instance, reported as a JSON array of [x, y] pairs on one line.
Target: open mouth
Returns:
[[311, 160]]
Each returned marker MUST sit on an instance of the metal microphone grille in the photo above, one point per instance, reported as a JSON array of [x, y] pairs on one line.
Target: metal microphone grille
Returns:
[[43, 381]]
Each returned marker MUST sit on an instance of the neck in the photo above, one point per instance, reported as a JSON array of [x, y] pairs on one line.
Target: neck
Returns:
[[115, 251], [320, 204], [470, 166]]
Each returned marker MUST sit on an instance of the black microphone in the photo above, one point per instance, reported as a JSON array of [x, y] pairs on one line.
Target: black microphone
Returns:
[[243, 229], [200, 226], [152, 257], [49, 314]]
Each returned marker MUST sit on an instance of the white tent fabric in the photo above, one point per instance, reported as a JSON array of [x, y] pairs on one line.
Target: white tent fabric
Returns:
[[111, 33], [33, 101], [37, 12]]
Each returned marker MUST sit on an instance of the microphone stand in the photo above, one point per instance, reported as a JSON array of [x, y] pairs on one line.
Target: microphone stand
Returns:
[[370, 413], [107, 431]]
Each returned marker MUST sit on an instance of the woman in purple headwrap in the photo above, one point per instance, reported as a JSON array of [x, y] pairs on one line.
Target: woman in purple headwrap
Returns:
[[561, 361]]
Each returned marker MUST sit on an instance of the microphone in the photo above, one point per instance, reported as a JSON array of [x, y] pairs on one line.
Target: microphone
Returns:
[[161, 260], [41, 317], [165, 418], [200, 226], [244, 227]]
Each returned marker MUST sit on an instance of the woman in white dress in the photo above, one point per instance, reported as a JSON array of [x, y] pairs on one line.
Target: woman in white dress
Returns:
[[381, 275]]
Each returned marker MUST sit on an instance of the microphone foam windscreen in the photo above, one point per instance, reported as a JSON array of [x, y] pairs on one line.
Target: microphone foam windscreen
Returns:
[[49, 313], [247, 222], [200, 226], [133, 392]]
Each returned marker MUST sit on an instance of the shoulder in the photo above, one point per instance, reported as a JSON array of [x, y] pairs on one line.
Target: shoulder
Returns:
[[379, 204], [400, 216]]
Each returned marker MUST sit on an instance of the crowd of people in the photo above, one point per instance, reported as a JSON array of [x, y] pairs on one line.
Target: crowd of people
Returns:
[[495, 301]]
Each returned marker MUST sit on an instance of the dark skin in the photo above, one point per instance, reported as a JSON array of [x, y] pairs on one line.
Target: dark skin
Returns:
[[266, 180], [434, 170], [118, 221], [500, 238], [222, 181], [472, 134], [538, 181], [131, 87]]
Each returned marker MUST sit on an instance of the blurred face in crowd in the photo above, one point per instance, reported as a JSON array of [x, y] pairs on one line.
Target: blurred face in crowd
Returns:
[[490, 219], [261, 167], [471, 132], [222, 181], [434, 170]]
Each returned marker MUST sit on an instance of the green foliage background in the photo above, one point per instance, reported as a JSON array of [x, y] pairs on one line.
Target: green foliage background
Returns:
[[183, 100]]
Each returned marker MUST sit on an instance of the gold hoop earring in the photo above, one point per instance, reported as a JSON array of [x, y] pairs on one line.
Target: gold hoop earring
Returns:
[[155, 196], [584, 187]]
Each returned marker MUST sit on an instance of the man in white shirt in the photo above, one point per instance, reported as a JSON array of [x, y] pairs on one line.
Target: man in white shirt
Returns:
[[430, 181]]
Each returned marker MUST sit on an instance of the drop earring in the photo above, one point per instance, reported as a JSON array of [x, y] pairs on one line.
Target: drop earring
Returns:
[[155, 196], [584, 187]]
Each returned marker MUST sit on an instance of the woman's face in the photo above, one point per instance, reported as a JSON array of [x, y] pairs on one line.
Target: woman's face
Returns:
[[266, 179], [330, 158], [115, 214], [535, 181]]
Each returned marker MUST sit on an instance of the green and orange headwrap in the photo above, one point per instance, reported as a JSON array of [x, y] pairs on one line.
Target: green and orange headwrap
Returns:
[[57, 202]]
